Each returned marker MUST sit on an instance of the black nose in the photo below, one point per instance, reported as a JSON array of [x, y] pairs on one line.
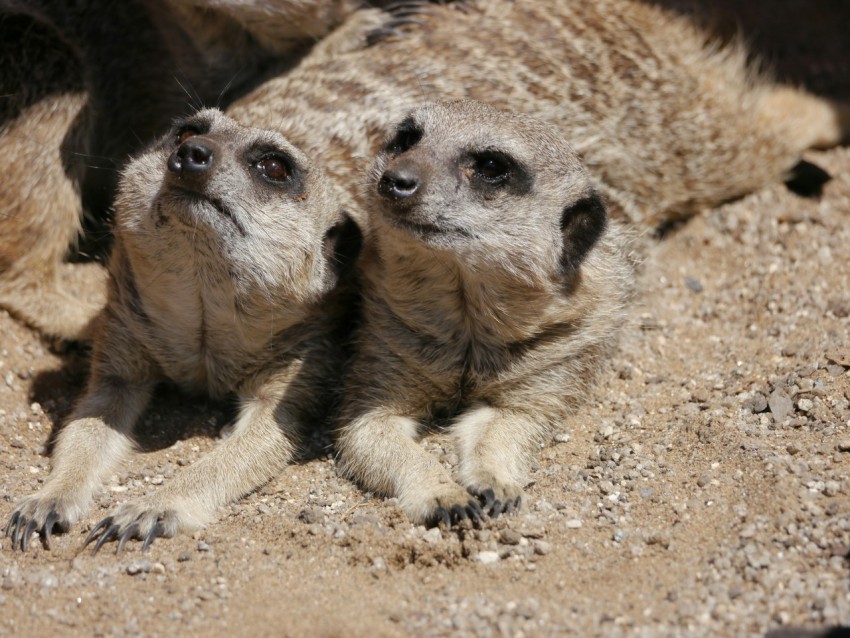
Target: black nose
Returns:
[[192, 157], [398, 183]]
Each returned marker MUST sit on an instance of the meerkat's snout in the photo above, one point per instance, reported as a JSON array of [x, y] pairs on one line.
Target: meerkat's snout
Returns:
[[400, 183], [193, 160]]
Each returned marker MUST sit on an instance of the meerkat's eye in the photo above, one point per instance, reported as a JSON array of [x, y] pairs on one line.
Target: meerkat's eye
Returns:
[[493, 168], [273, 168], [406, 137]]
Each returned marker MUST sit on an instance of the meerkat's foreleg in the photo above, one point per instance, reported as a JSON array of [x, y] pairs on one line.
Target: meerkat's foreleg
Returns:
[[496, 446], [88, 449], [260, 446], [380, 451]]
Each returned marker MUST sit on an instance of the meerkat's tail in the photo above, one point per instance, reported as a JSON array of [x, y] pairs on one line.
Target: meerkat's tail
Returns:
[[808, 121]]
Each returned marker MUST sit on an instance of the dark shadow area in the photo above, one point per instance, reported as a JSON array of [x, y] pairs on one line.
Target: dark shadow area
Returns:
[[138, 69], [806, 43], [59, 389], [172, 415], [807, 180], [800, 632]]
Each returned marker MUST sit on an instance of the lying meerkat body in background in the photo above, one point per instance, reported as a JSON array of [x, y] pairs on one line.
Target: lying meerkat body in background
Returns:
[[224, 279], [666, 124], [77, 97], [491, 289]]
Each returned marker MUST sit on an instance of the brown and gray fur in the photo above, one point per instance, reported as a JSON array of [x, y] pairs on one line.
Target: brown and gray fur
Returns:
[[666, 121], [85, 84], [225, 279], [492, 286]]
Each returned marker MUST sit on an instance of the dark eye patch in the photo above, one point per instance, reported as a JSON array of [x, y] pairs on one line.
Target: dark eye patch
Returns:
[[492, 167], [275, 166], [407, 135], [492, 170]]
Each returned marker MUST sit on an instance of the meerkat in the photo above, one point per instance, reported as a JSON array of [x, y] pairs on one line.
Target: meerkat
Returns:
[[492, 286], [85, 85], [42, 105], [227, 277], [667, 122]]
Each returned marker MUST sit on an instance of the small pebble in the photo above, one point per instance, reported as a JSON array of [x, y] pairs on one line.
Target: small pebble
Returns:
[[433, 535], [139, 567], [805, 405], [780, 405], [487, 557], [510, 537], [693, 285]]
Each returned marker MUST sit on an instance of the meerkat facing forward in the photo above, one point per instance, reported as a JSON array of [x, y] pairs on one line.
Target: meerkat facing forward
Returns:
[[492, 286], [225, 278]]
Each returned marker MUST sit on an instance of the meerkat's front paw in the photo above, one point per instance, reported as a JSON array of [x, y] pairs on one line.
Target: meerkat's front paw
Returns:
[[448, 507], [41, 513], [144, 520], [497, 497]]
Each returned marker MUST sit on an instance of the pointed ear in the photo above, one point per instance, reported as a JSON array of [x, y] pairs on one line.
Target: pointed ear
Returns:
[[342, 245], [582, 224]]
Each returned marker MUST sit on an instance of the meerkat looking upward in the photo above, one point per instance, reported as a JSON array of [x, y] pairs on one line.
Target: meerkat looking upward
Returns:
[[225, 279], [85, 84], [493, 284]]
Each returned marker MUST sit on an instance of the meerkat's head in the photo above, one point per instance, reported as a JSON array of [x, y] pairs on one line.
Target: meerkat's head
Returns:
[[492, 188], [213, 196]]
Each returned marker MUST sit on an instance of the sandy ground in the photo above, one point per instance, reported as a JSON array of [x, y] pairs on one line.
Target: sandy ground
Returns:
[[704, 489]]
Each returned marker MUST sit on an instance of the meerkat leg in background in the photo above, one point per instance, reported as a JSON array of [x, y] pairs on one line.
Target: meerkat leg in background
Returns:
[[807, 121], [261, 445], [41, 161], [379, 450], [40, 220], [93, 444]]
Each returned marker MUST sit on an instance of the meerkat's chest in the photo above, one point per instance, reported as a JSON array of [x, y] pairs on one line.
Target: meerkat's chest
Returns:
[[193, 333]]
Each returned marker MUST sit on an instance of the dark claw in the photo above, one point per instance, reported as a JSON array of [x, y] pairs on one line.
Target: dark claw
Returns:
[[487, 498], [126, 535], [110, 533], [157, 530], [474, 510], [11, 523], [376, 35], [411, 11], [51, 520], [405, 4], [440, 516], [16, 534], [106, 522], [25, 539], [400, 22], [498, 508], [459, 513]]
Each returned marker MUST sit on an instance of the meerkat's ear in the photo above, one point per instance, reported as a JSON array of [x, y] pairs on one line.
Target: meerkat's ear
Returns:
[[582, 224], [342, 245]]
